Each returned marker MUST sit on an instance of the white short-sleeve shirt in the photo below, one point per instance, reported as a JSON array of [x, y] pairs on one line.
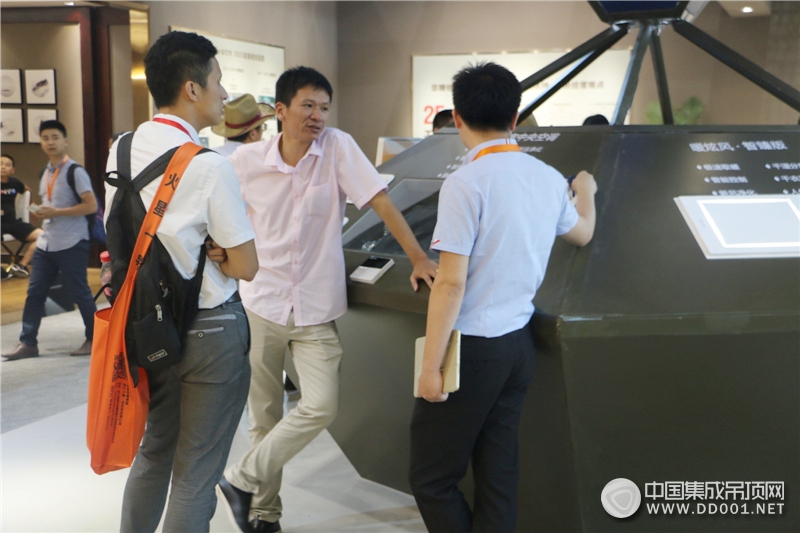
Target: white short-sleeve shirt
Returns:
[[504, 211], [208, 201]]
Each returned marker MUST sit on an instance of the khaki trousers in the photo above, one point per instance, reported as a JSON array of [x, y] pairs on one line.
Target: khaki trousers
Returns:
[[275, 439]]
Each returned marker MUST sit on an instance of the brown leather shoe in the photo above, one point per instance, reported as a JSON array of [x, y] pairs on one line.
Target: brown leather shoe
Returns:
[[22, 351], [85, 349]]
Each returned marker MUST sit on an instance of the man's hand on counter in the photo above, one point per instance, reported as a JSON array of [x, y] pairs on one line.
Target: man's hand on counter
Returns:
[[424, 269]]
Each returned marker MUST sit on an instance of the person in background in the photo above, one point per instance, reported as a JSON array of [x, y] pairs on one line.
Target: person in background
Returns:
[[596, 120], [296, 185], [443, 119], [498, 217], [10, 220], [63, 246], [195, 405], [243, 123]]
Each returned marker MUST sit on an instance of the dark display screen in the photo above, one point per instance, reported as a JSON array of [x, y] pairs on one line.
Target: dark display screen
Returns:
[[421, 218], [611, 12], [643, 258], [629, 6]]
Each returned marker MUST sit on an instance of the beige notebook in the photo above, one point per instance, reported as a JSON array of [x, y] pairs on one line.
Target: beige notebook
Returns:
[[451, 365]]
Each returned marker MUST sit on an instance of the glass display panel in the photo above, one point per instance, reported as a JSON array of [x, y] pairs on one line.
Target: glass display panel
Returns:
[[421, 218]]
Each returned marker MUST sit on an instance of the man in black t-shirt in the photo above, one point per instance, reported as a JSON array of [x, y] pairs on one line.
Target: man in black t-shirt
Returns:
[[10, 220]]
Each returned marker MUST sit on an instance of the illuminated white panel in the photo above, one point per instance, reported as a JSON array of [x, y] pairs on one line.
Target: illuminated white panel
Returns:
[[744, 227]]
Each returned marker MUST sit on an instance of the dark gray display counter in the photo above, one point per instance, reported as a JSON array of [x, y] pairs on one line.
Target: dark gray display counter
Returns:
[[654, 363]]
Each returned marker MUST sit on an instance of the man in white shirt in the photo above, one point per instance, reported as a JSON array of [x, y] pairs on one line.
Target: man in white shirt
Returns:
[[243, 123], [195, 405], [296, 186]]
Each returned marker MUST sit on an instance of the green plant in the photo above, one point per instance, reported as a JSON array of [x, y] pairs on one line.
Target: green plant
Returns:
[[689, 113]]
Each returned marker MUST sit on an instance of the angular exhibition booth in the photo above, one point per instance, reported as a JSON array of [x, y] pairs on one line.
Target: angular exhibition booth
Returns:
[[666, 351]]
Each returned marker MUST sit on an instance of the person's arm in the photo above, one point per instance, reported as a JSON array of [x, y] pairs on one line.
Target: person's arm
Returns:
[[239, 262], [585, 189], [443, 308], [424, 268], [87, 206]]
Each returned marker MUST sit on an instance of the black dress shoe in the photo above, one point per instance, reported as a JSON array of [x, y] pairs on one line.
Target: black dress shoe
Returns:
[[238, 504], [262, 526]]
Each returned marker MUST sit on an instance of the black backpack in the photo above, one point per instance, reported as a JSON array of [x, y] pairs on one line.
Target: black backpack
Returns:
[[164, 304]]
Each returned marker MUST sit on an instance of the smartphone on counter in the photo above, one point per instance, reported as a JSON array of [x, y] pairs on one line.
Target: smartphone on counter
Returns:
[[372, 269]]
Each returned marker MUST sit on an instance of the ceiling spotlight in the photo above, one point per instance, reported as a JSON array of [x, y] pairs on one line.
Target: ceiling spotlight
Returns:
[[747, 9]]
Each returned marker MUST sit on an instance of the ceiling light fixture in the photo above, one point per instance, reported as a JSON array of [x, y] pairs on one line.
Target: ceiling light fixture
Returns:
[[747, 9]]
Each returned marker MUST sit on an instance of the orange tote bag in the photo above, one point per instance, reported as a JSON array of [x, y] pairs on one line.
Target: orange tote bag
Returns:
[[117, 409]]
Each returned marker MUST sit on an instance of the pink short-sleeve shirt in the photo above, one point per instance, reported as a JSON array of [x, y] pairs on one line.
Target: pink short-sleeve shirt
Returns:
[[297, 214]]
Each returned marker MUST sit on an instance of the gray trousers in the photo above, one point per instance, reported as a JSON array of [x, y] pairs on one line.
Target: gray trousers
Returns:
[[195, 407]]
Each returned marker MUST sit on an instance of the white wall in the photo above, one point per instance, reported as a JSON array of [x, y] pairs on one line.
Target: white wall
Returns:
[[307, 30]]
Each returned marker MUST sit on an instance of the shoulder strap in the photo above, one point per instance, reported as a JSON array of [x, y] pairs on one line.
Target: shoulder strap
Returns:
[[172, 176], [122, 179], [124, 155], [155, 169], [71, 181]]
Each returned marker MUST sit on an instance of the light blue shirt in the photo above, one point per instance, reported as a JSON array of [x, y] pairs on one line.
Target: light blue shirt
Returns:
[[60, 233], [504, 211]]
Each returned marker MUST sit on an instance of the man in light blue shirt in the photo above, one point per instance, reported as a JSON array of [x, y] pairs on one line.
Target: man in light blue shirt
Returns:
[[63, 247], [498, 217]]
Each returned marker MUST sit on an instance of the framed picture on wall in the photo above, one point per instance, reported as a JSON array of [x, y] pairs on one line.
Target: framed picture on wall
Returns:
[[40, 86], [36, 117], [11, 89], [11, 126]]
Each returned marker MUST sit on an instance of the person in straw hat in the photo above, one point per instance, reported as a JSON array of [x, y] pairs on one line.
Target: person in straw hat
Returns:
[[244, 119]]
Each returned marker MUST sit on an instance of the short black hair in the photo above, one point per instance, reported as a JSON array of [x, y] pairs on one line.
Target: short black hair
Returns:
[[13, 163], [240, 138], [486, 96], [295, 79], [175, 58], [52, 125], [596, 120], [442, 119]]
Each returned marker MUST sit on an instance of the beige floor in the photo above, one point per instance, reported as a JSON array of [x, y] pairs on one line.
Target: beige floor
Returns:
[[46, 484], [14, 290]]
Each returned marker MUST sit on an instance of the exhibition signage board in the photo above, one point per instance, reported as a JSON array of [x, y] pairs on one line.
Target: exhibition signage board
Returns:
[[247, 67], [593, 91]]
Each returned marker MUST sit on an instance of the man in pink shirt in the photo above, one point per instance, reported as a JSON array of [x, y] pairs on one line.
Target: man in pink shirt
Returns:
[[296, 187]]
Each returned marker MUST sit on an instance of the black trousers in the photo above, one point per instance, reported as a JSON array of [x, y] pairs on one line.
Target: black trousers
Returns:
[[480, 423]]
